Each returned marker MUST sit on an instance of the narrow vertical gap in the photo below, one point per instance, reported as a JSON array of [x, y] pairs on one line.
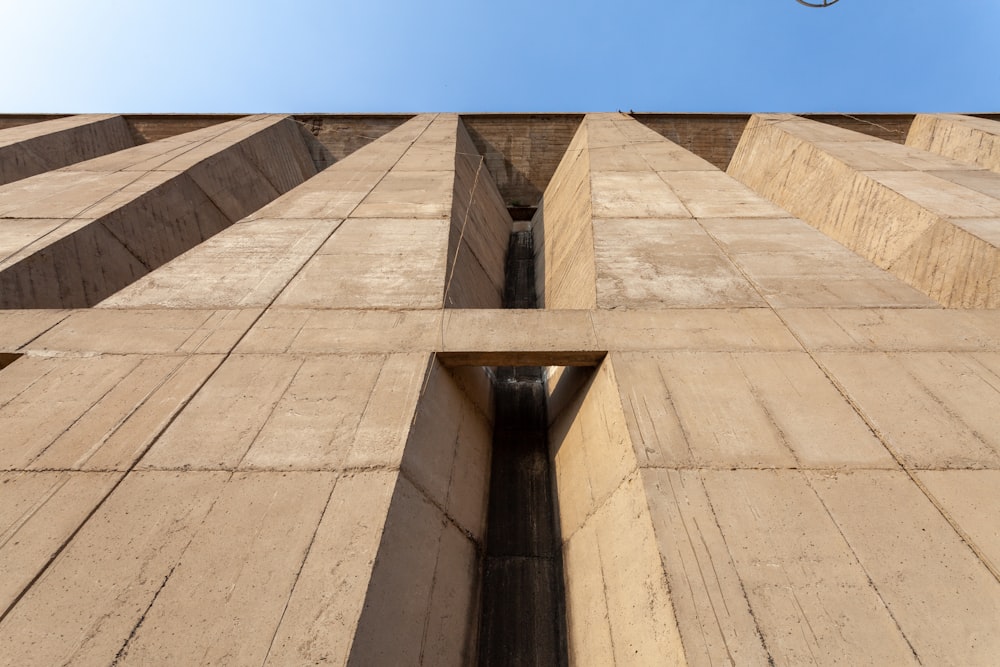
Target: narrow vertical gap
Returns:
[[523, 618]]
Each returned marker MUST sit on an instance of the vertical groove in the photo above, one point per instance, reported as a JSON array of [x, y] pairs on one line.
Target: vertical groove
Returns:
[[523, 615]]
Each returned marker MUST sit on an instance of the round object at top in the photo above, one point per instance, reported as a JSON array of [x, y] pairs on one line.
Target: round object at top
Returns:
[[820, 3]]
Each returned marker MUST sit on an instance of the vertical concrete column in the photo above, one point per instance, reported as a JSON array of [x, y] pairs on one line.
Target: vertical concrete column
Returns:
[[927, 219], [618, 606], [74, 236], [563, 238], [35, 148], [252, 262], [663, 228]]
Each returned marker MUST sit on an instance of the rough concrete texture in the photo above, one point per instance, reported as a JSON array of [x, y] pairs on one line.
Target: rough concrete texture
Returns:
[[75, 235], [666, 229], [374, 231], [968, 139], [521, 151], [39, 147], [275, 448], [928, 219]]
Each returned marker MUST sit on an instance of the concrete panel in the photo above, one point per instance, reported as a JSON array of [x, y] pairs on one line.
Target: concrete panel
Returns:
[[975, 141], [147, 217], [255, 407], [480, 228], [618, 605], [321, 616], [317, 331], [895, 330], [714, 618], [33, 149], [447, 453], [38, 514], [648, 264], [746, 410], [812, 599], [932, 410], [387, 264], [790, 264], [928, 578], [123, 422], [147, 332], [892, 204], [96, 593], [21, 327], [968, 499], [228, 593], [564, 264], [692, 329], [420, 607]]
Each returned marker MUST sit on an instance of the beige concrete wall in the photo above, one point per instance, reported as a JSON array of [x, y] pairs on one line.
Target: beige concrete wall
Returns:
[[40, 147], [253, 262], [618, 607], [670, 230], [422, 603], [925, 218], [73, 236], [807, 478], [521, 151], [407, 221], [974, 141], [479, 232], [564, 246]]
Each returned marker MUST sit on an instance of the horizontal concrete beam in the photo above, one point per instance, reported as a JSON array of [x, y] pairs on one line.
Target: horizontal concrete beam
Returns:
[[523, 358]]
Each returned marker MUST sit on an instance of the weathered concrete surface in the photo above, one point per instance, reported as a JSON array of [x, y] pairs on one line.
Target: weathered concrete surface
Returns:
[[261, 454], [75, 235], [927, 219], [563, 237], [618, 606], [375, 230], [521, 151], [666, 229], [252, 262], [341, 135], [975, 141], [40, 147], [711, 136]]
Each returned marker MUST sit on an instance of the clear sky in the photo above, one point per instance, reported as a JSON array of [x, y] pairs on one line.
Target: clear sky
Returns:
[[517, 55]]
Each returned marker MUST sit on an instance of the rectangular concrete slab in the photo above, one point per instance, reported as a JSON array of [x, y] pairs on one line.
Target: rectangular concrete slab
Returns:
[[812, 599], [39, 512], [895, 330], [148, 332], [932, 410], [928, 578], [321, 616], [98, 589], [741, 410], [229, 592], [314, 330]]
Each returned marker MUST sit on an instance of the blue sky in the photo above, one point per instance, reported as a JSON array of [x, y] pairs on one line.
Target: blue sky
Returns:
[[450, 55]]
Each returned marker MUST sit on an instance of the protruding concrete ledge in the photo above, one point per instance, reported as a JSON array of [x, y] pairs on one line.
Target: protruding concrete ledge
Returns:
[[925, 218], [666, 229], [523, 358], [74, 236], [40, 147], [972, 140]]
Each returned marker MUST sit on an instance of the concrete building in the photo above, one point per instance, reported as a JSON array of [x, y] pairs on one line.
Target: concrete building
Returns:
[[444, 389]]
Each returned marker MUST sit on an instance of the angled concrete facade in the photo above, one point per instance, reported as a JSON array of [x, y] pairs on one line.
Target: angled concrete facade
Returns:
[[249, 371]]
